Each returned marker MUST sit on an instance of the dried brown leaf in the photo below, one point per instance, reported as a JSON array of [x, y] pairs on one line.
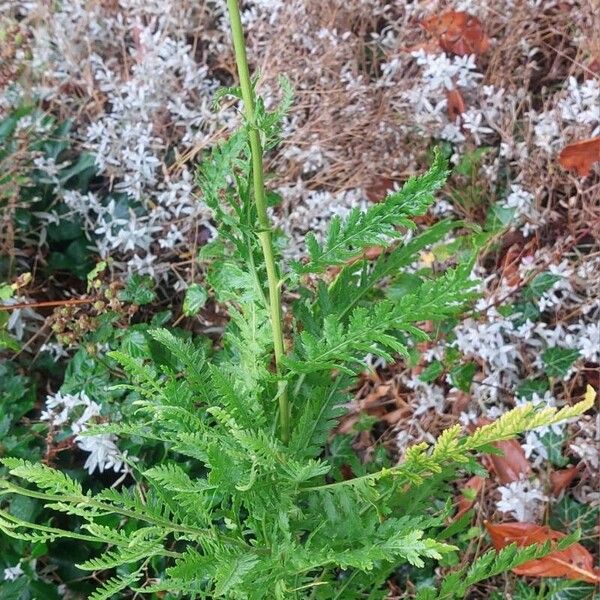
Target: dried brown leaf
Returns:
[[458, 32], [573, 563], [580, 156]]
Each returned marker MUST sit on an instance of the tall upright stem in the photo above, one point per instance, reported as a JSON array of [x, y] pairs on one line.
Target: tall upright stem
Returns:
[[264, 233]]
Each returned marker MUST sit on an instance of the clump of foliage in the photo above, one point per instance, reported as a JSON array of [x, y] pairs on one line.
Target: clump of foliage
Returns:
[[247, 503], [36, 162]]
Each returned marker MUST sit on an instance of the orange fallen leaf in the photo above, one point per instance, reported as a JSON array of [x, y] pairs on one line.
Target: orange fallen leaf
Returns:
[[510, 265], [458, 32], [580, 156], [472, 487], [456, 104], [561, 479], [514, 252], [512, 465], [575, 562]]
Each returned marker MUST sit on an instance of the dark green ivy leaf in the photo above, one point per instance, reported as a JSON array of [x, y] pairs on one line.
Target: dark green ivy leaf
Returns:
[[540, 284], [529, 387], [432, 371], [553, 442], [558, 360], [462, 376]]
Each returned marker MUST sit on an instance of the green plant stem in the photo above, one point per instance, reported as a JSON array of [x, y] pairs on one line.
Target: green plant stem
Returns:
[[264, 233]]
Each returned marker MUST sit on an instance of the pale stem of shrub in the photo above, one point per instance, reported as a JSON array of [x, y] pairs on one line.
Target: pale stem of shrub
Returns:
[[264, 233]]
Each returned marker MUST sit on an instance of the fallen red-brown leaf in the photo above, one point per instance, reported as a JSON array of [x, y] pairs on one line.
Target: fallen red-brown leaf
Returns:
[[512, 465], [458, 32], [561, 479], [580, 156], [472, 487], [456, 104], [575, 562]]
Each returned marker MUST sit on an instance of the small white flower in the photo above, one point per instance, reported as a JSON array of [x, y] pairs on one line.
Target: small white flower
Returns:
[[12, 573], [55, 350], [473, 122], [104, 454], [546, 130], [534, 448], [18, 320], [522, 499], [468, 418]]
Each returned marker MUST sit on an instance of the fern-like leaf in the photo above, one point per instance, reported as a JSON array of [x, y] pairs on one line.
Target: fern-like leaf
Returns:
[[377, 225]]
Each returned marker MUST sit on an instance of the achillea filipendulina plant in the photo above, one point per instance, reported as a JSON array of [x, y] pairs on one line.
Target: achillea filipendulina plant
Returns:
[[246, 504]]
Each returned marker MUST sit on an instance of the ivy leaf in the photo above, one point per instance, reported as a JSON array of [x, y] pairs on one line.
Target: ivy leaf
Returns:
[[568, 590], [540, 284], [529, 387], [525, 311], [195, 299], [553, 442], [462, 376], [558, 360], [499, 217], [568, 513], [432, 371]]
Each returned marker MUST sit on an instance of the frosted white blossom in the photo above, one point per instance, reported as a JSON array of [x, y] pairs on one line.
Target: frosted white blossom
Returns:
[[78, 410], [560, 289], [526, 213], [442, 72], [519, 199], [21, 320], [473, 122], [12, 573], [534, 446], [56, 350], [426, 396], [521, 499], [546, 130], [582, 104], [103, 453]]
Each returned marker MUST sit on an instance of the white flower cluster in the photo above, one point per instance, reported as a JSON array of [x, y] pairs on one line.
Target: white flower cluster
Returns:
[[526, 213], [21, 320], [582, 104], [572, 115], [441, 72], [521, 499], [426, 396], [147, 97], [77, 411]]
